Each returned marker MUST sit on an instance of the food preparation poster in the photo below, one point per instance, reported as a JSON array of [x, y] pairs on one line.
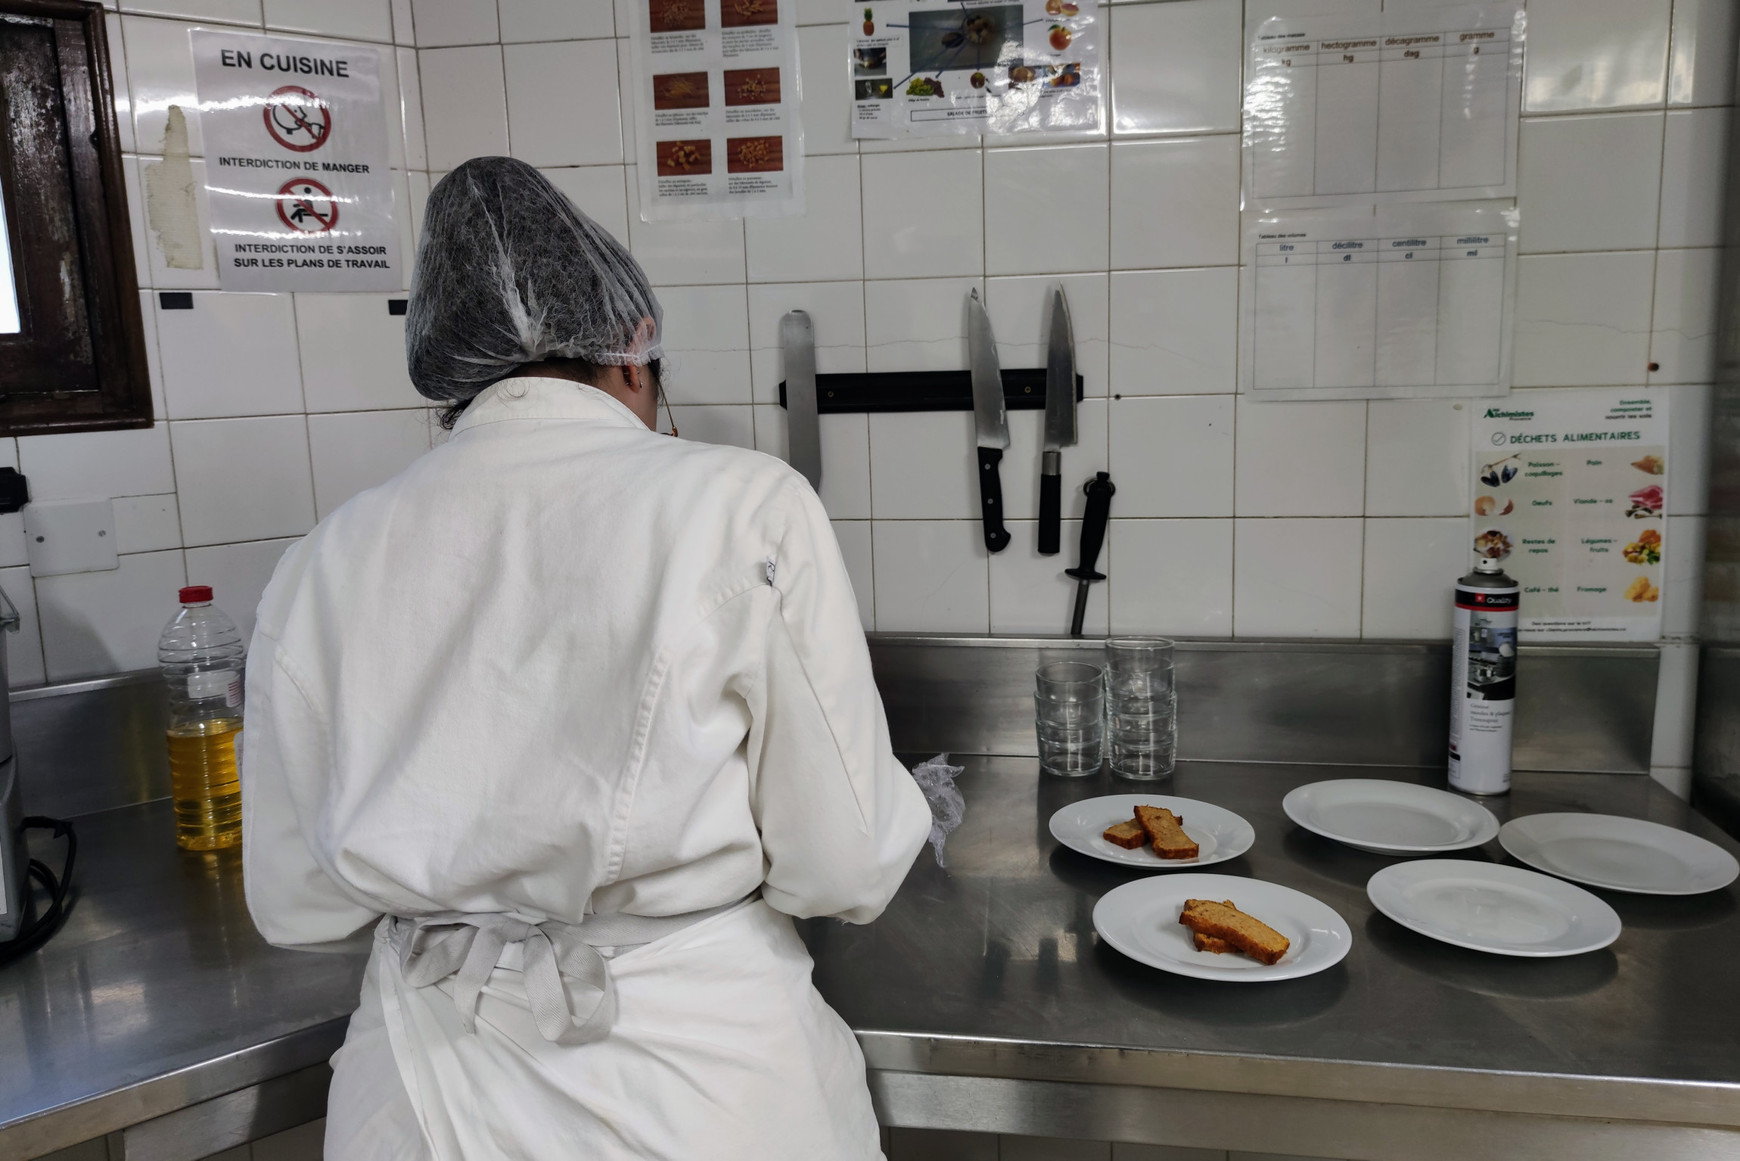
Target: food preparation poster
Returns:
[[716, 109], [924, 68], [1569, 492], [296, 163]]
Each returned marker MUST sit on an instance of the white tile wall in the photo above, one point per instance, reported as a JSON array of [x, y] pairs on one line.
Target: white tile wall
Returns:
[[283, 405]]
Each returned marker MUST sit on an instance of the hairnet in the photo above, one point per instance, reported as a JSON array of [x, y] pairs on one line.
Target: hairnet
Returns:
[[509, 272]]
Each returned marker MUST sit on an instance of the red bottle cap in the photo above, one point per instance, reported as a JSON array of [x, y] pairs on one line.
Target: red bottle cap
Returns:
[[195, 594]]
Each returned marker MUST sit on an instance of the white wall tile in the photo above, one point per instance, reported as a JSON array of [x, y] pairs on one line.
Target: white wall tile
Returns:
[[220, 11], [845, 438], [1689, 423], [410, 111], [1300, 459], [90, 464], [1596, 54], [352, 452], [675, 253], [232, 354], [600, 192], [826, 242], [172, 197], [160, 74], [562, 102], [1176, 67], [1683, 559], [243, 479], [1701, 53], [1020, 310], [826, 99], [353, 353], [923, 215], [464, 103], [237, 574], [1589, 183], [1172, 577], [108, 622], [1416, 457], [404, 27], [917, 324], [1021, 462], [734, 425], [1296, 578], [1694, 165], [706, 337], [1175, 332], [348, 19], [1175, 203], [1053, 1149], [1682, 342], [854, 538], [146, 523], [24, 665], [14, 550], [1172, 455], [1582, 319], [536, 20], [934, 578], [625, 96], [1046, 210], [924, 466], [1030, 596], [117, 43], [836, 311], [136, 220], [442, 22], [153, 358], [1411, 568]]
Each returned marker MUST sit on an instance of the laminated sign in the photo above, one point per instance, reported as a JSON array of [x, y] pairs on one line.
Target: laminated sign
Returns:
[[296, 163]]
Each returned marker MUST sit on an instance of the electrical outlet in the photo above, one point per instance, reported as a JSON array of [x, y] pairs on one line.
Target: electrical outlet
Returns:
[[65, 536]]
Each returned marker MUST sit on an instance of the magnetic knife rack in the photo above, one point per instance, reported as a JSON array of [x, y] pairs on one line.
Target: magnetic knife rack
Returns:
[[1023, 390]]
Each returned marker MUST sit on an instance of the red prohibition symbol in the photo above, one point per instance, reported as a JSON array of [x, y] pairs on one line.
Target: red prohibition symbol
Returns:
[[306, 206], [297, 119]]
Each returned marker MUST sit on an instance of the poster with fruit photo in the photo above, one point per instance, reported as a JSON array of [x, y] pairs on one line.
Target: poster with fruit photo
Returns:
[[922, 68], [1570, 493]]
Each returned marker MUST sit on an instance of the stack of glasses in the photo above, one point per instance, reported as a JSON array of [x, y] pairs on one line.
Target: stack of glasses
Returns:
[[1141, 707], [1069, 713]]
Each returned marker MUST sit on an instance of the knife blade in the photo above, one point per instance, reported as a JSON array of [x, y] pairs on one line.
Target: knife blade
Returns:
[[803, 438], [991, 420], [1093, 534], [1059, 423]]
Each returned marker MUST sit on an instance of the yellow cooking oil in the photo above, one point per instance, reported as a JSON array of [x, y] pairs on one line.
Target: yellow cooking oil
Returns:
[[206, 784]]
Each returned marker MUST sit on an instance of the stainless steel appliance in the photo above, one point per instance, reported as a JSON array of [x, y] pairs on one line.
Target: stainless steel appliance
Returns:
[[14, 858]]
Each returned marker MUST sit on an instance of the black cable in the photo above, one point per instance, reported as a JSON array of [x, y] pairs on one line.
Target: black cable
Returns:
[[32, 935]]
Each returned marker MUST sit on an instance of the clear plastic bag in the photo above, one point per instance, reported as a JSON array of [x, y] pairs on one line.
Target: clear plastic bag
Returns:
[[937, 779]]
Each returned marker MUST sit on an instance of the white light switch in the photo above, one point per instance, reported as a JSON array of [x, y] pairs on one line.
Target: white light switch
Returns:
[[70, 536]]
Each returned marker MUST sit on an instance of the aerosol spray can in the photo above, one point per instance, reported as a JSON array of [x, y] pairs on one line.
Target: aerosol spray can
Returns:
[[1483, 680]]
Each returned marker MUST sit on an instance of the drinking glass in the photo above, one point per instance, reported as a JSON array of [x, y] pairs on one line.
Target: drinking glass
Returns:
[[1141, 707], [1070, 717]]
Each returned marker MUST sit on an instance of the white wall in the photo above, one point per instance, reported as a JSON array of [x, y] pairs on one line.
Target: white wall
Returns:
[[1226, 522]]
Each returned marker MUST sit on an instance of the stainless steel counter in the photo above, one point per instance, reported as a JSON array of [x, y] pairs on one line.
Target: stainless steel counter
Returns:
[[983, 1001]]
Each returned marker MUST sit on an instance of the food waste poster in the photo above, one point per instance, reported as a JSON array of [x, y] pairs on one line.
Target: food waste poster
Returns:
[[1570, 492], [923, 68], [716, 109], [296, 163]]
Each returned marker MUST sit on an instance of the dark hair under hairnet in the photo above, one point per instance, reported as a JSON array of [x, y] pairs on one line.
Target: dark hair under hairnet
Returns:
[[509, 272]]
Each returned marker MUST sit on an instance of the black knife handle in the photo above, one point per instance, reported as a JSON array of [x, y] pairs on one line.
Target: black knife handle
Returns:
[[991, 498], [1093, 526], [1050, 513]]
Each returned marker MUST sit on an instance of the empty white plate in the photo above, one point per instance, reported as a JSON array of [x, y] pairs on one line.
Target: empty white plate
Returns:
[[1623, 854], [1390, 818], [1486, 907], [1140, 919], [1219, 833]]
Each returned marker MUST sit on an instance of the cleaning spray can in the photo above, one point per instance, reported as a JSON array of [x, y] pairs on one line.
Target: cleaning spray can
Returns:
[[1483, 680]]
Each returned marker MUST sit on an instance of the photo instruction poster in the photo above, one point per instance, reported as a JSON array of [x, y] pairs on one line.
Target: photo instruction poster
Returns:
[[922, 68], [1570, 491], [716, 109], [296, 163]]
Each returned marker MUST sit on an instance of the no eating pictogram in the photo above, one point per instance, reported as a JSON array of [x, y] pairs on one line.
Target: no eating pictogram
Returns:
[[297, 119], [306, 206]]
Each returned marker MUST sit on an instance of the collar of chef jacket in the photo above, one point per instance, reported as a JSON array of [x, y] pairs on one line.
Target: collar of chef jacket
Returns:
[[535, 397]]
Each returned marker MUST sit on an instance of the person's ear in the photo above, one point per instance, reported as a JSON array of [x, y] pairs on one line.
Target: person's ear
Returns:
[[632, 374]]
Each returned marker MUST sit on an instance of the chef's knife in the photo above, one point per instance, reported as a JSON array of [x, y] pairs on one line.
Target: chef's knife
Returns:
[[1093, 534], [803, 436], [993, 423], [1059, 423]]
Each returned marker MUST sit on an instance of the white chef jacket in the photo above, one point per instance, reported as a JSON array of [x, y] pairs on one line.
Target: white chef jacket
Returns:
[[563, 665]]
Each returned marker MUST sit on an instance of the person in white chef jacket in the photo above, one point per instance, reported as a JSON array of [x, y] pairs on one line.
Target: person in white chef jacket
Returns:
[[574, 716]]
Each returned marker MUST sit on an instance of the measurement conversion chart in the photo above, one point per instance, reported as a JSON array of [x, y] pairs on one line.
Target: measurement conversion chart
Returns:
[[1570, 493], [1412, 105], [1409, 301]]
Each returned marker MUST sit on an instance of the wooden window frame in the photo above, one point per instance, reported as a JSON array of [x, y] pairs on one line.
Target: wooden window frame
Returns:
[[116, 392]]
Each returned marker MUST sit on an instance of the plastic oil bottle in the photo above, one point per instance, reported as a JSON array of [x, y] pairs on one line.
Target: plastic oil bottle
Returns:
[[201, 653]]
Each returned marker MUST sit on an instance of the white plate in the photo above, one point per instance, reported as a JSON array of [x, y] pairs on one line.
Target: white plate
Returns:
[[1623, 854], [1140, 919], [1390, 818], [1219, 833], [1487, 907]]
